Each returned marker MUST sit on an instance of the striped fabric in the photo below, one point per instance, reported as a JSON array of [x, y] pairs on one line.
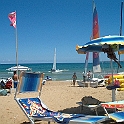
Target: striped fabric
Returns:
[[112, 39], [96, 45], [115, 104], [30, 82]]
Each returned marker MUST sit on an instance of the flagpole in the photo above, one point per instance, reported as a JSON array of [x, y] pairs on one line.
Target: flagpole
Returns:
[[16, 48], [120, 29], [12, 18]]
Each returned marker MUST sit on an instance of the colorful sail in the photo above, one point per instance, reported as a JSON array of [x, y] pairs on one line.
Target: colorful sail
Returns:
[[96, 62]]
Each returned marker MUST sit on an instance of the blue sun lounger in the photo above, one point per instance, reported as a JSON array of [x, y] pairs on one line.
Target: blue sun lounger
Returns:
[[35, 109]]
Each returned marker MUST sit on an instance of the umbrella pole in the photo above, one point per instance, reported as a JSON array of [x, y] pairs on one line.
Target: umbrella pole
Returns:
[[113, 90]]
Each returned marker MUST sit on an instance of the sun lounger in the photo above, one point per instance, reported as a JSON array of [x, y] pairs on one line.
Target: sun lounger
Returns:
[[35, 109], [93, 104], [116, 116]]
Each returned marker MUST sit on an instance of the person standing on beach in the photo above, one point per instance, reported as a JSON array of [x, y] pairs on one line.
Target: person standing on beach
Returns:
[[15, 79], [89, 75], [74, 77], [84, 77]]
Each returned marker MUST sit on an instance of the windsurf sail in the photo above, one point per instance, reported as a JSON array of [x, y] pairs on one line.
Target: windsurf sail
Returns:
[[95, 34]]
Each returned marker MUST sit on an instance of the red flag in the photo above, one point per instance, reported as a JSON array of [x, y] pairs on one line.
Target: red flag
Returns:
[[12, 18]]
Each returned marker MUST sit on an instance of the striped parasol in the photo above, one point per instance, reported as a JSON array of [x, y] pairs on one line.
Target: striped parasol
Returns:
[[106, 44], [116, 42]]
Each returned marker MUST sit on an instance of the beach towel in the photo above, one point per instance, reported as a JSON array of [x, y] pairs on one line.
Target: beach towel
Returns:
[[3, 92]]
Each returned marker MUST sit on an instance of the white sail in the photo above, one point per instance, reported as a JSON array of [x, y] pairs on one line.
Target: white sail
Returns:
[[54, 70], [54, 62]]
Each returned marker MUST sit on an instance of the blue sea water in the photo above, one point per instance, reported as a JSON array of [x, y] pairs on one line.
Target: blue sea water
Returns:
[[67, 69]]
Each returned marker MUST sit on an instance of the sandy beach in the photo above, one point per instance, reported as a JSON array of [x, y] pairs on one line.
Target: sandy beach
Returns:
[[58, 96]]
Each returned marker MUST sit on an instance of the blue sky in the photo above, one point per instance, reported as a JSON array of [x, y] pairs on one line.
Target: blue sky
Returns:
[[43, 25]]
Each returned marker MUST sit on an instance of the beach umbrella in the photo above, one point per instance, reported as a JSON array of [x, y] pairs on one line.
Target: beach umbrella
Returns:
[[98, 44], [19, 68], [106, 44]]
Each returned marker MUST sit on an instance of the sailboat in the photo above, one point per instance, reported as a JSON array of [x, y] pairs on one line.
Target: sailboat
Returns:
[[95, 34], [96, 62], [54, 70]]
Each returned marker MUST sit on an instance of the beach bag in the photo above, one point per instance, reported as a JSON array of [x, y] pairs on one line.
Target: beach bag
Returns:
[[3, 92]]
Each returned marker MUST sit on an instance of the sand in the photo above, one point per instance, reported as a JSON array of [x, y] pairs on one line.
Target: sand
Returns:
[[58, 96]]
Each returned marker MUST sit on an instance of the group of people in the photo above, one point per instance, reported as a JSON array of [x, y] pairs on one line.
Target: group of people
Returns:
[[86, 77], [9, 82]]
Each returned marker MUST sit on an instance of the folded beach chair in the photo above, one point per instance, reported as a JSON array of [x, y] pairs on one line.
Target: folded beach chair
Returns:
[[36, 110]]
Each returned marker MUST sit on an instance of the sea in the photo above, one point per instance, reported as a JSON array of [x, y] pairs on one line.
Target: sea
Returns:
[[67, 69]]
